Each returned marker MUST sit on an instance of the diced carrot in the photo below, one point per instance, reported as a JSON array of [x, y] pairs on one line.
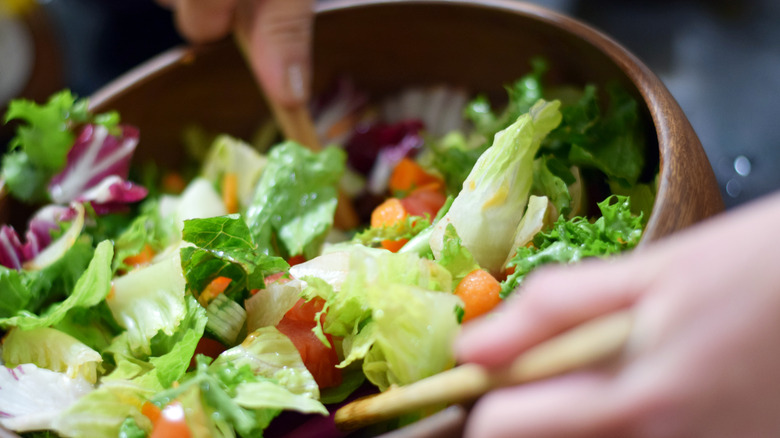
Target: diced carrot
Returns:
[[151, 411], [173, 182], [172, 423], [230, 192], [393, 245], [480, 293], [388, 213], [142, 258], [407, 175], [213, 289]]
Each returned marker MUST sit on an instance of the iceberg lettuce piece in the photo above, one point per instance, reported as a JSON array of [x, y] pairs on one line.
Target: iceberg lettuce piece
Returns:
[[413, 332], [102, 412], [267, 306], [486, 212], [271, 354], [51, 349], [231, 155], [148, 300], [265, 395], [396, 312], [32, 398]]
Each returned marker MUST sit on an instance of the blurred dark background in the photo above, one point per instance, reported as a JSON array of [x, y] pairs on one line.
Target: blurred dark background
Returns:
[[720, 59]]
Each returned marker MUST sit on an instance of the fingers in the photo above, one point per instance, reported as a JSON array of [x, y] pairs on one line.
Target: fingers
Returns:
[[202, 21], [572, 406], [551, 300], [277, 35]]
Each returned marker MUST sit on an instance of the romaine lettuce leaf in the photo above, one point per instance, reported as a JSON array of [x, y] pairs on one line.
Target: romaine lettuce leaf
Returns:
[[486, 212], [295, 200], [571, 240], [224, 247], [215, 389], [92, 286]]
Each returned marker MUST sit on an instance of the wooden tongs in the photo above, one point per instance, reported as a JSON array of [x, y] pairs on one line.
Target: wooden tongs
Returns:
[[582, 346]]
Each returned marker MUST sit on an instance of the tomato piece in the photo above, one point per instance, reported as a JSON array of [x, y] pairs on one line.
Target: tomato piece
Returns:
[[424, 201], [296, 260], [320, 360], [172, 423], [207, 347]]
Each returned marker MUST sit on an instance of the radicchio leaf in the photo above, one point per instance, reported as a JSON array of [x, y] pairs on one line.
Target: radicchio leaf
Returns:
[[95, 156], [14, 253], [367, 141]]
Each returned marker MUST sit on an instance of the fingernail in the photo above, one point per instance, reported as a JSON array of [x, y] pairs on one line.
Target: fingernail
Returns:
[[295, 82]]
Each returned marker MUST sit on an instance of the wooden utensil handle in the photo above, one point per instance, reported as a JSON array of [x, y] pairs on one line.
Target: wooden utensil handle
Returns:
[[577, 348]]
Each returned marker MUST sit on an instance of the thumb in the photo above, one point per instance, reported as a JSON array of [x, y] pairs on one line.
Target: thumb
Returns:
[[277, 35]]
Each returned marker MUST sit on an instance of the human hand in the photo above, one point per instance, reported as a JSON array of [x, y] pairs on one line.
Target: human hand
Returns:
[[277, 34], [703, 359]]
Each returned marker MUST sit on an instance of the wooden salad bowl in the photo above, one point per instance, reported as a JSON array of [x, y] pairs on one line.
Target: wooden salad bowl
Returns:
[[385, 46]]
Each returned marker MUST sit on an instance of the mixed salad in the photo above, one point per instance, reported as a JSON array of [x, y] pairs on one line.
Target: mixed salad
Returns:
[[207, 303]]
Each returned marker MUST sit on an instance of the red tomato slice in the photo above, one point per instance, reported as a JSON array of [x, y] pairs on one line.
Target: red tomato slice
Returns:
[[320, 360], [422, 202]]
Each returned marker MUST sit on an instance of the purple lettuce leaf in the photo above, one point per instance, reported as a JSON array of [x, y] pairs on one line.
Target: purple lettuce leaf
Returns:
[[368, 140], [14, 253], [95, 155]]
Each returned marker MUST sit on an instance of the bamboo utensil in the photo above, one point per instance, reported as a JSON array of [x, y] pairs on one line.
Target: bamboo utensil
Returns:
[[582, 346]]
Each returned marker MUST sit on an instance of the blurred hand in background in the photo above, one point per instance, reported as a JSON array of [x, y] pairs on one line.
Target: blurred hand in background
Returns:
[[703, 358], [277, 34]]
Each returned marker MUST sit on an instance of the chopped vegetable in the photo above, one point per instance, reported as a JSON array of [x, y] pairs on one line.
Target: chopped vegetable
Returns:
[[480, 293]]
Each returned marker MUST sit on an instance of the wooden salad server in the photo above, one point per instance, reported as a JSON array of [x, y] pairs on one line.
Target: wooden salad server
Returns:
[[582, 346]]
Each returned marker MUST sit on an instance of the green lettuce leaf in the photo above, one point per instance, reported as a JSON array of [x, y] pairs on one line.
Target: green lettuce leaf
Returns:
[[224, 247], [611, 141], [92, 286], [40, 147], [522, 94], [395, 312], [572, 240], [455, 257], [231, 155], [552, 179], [486, 212], [102, 412], [271, 354], [216, 388], [295, 199], [51, 349], [404, 229], [147, 300]]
